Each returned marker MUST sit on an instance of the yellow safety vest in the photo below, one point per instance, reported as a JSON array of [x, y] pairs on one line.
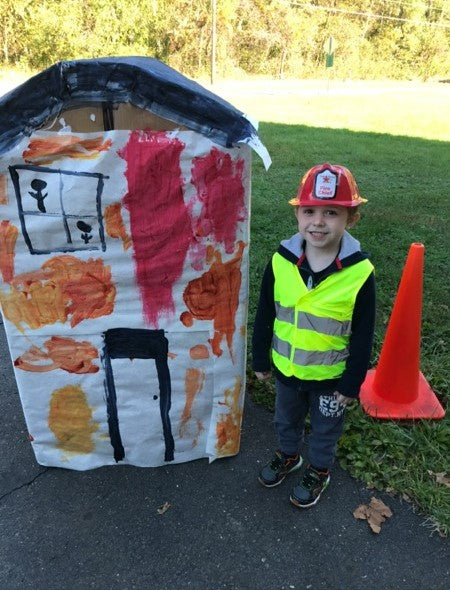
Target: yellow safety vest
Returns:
[[312, 328]]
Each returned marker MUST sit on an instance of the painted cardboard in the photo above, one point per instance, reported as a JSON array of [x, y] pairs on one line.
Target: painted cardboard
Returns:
[[124, 288]]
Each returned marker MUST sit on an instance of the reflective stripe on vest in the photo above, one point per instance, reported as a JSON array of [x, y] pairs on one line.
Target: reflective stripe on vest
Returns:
[[309, 357], [312, 328], [309, 321]]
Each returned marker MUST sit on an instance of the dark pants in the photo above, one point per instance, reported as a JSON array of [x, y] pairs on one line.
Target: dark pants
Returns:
[[326, 417]]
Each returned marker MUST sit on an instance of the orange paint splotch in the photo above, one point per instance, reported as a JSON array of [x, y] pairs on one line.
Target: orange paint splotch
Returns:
[[70, 420], [210, 253], [200, 429], [199, 352], [63, 353], [64, 287], [3, 190], [115, 226], [187, 319], [8, 238], [171, 355], [47, 150], [215, 296], [193, 384], [228, 426]]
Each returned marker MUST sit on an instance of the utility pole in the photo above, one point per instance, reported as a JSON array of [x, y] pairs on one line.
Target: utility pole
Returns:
[[213, 41]]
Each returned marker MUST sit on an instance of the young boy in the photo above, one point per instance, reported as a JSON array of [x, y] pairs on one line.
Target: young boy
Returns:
[[315, 324]]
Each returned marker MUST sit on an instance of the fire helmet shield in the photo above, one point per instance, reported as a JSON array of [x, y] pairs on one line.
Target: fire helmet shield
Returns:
[[325, 185]]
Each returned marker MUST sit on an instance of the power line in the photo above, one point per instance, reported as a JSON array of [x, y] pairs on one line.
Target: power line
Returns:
[[370, 15], [410, 4]]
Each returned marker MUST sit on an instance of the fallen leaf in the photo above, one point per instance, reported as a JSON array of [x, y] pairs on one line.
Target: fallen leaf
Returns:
[[380, 507], [375, 513], [360, 512], [375, 518], [440, 478], [375, 527], [164, 508]]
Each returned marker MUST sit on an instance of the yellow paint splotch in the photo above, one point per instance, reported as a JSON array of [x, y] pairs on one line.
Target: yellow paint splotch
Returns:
[[70, 420], [228, 427]]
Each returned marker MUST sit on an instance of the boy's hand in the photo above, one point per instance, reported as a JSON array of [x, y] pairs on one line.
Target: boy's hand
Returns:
[[343, 399], [263, 376]]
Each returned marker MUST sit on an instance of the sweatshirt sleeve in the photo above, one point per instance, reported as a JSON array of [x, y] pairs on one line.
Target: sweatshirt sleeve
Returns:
[[361, 340], [263, 325]]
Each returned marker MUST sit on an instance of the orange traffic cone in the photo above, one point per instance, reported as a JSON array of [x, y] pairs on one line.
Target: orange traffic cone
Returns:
[[397, 388]]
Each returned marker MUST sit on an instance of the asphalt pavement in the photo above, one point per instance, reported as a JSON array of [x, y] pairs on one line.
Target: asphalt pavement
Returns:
[[101, 529]]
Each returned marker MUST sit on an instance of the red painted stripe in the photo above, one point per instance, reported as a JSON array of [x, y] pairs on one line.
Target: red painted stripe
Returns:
[[160, 224]]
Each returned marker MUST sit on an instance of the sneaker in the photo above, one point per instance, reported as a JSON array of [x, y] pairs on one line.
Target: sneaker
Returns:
[[274, 472], [311, 487]]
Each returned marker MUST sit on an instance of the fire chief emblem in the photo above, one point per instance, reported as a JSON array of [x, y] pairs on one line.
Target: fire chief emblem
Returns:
[[325, 186]]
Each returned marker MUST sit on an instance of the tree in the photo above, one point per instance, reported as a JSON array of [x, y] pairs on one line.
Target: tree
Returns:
[[395, 38]]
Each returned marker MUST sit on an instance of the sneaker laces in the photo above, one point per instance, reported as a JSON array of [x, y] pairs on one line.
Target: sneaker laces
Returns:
[[311, 478], [276, 462]]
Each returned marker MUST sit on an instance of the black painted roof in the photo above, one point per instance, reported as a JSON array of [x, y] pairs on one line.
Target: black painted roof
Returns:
[[142, 81]]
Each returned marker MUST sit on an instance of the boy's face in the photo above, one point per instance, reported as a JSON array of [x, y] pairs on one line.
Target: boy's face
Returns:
[[323, 227]]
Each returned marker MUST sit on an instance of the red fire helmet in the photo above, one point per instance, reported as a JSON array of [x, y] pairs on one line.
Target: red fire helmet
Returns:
[[328, 184]]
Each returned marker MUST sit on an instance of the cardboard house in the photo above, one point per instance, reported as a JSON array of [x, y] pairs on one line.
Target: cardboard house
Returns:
[[124, 238]]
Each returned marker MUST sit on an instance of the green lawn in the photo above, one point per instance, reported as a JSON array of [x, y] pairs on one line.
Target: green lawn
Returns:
[[407, 182]]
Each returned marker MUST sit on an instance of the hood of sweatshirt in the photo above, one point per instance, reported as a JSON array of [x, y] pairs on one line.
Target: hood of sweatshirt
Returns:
[[294, 245]]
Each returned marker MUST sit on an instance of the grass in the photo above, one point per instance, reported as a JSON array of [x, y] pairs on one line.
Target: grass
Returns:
[[407, 181]]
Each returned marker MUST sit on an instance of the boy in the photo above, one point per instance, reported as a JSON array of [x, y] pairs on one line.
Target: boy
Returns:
[[315, 324]]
